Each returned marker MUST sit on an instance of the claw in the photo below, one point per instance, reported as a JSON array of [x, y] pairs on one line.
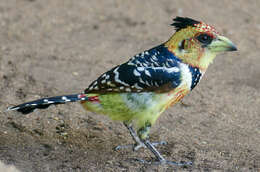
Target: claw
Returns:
[[165, 162], [119, 147], [188, 163], [136, 147], [159, 143]]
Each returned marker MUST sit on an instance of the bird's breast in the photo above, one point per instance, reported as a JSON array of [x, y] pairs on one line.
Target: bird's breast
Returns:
[[189, 78], [176, 95]]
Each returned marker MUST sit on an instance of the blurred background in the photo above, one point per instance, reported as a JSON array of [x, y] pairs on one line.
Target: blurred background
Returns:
[[56, 47]]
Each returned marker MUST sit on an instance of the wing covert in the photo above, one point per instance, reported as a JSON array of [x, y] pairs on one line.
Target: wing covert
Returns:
[[156, 69]]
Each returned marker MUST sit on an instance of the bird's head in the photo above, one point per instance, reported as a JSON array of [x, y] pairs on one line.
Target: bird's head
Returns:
[[197, 43]]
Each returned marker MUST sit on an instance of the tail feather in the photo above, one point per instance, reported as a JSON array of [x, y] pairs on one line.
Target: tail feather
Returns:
[[43, 103]]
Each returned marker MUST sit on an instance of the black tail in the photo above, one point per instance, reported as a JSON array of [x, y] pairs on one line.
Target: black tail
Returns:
[[43, 103]]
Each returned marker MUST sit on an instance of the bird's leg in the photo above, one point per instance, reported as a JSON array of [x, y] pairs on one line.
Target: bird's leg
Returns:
[[143, 133], [141, 139], [138, 143], [159, 157]]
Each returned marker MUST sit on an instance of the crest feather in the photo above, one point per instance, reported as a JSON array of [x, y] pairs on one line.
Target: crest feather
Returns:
[[183, 22]]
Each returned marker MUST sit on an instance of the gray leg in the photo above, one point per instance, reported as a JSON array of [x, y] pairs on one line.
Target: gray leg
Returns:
[[143, 133], [138, 143], [144, 142]]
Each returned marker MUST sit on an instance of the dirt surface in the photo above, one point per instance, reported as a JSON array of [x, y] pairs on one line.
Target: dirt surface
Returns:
[[56, 47]]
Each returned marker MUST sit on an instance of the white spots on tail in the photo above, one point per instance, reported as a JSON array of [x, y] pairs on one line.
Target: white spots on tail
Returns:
[[50, 102], [65, 99], [46, 101], [12, 108], [83, 98]]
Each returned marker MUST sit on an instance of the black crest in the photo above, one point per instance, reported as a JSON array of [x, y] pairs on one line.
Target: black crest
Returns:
[[183, 22]]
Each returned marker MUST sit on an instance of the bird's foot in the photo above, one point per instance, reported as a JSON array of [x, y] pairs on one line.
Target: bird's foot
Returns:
[[165, 162], [137, 146]]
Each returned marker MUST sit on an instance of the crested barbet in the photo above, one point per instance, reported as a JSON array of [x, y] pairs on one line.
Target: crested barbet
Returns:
[[138, 91]]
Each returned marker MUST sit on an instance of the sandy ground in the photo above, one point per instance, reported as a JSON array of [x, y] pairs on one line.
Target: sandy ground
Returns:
[[56, 47]]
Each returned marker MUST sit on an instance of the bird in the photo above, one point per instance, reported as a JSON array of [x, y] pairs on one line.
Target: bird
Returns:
[[138, 91]]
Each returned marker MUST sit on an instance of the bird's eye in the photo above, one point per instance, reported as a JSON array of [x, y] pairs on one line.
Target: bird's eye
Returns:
[[181, 45], [204, 38]]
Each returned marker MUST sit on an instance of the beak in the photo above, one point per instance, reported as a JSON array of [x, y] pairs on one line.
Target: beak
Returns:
[[221, 44]]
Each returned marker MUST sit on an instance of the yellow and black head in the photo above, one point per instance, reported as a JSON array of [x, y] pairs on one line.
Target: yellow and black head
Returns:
[[197, 43]]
